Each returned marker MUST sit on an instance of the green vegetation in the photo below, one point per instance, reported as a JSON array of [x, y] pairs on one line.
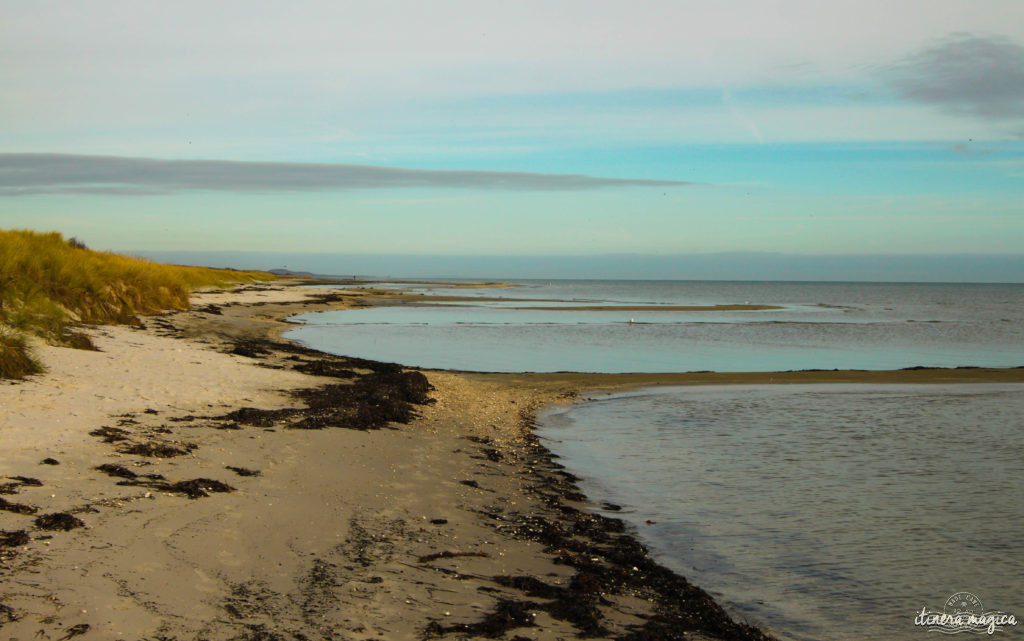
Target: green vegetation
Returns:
[[48, 284]]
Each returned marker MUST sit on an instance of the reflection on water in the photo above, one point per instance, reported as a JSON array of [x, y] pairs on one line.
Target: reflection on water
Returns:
[[826, 512], [821, 326]]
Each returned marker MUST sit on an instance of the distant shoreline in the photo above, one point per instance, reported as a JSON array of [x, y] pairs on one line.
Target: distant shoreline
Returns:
[[937, 268]]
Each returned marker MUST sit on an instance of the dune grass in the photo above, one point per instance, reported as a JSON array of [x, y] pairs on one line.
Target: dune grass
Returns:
[[48, 284], [16, 361]]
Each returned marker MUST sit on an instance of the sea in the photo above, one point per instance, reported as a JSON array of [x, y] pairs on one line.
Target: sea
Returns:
[[831, 512]]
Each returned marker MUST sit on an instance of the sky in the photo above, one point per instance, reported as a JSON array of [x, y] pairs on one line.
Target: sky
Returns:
[[529, 128]]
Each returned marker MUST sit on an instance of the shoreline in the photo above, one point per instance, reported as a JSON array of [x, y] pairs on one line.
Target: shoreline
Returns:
[[457, 524]]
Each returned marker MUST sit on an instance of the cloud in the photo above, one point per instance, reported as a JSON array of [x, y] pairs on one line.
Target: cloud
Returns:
[[29, 174], [966, 75]]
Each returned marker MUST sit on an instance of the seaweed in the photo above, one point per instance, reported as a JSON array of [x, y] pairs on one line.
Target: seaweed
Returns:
[[371, 402], [193, 488], [257, 417], [158, 450], [325, 368], [17, 508], [7, 614], [110, 434], [243, 471], [13, 538], [75, 630], [505, 616], [249, 348], [491, 454], [116, 470], [198, 487], [58, 521], [448, 554]]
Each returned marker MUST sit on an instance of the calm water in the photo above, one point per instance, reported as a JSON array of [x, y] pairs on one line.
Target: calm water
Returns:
[[826, 512], [821, 326], [821, 511]]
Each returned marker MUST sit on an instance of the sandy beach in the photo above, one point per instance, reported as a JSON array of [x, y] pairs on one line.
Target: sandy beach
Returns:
[[199, 478]]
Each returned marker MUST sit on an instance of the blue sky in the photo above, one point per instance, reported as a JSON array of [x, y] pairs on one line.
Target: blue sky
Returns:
[[687, 127]]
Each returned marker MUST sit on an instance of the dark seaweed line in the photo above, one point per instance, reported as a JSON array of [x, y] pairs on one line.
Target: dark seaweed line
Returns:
[[608, 561]]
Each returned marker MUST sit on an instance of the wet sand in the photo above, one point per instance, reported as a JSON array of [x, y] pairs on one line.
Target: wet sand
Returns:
[[655, 308], [618, 382], [199, 478]]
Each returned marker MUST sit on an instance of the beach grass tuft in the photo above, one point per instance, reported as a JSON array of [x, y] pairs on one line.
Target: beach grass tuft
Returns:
[[49, 283], [16, 361]]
